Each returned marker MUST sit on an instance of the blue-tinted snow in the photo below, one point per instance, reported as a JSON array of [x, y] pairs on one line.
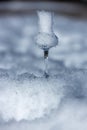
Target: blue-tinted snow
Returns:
[[29, 100]]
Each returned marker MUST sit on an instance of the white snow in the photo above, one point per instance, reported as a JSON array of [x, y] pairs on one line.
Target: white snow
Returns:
[[27, 99]]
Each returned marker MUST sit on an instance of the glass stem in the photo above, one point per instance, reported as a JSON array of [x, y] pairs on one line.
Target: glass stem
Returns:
[[46, 63]]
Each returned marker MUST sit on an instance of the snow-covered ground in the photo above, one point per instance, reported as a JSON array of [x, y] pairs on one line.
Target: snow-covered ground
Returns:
[[27, 99]]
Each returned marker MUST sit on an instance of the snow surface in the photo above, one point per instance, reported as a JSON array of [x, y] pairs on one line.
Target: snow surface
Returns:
[[29, 100]]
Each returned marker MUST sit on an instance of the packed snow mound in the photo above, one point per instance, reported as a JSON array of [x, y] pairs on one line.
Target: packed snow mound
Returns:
[[29, 99]]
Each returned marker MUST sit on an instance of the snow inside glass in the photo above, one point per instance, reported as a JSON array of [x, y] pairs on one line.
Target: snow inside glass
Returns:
[[28, 99]]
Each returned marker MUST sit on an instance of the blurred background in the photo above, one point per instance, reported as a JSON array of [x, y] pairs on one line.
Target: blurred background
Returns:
[[49, 0], [19, 26]]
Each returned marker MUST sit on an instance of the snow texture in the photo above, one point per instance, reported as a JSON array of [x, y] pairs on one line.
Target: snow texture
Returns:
[[45, 22], [27, 99]]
